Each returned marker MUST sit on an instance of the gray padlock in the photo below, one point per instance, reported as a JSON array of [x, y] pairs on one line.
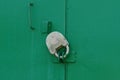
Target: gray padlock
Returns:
[[56, 40]]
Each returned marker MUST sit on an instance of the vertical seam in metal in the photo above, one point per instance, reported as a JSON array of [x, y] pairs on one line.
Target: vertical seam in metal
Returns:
[[65, 17], [65, 64]]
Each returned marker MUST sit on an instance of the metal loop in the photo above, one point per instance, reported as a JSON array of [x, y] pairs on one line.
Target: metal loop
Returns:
[[67, 51]]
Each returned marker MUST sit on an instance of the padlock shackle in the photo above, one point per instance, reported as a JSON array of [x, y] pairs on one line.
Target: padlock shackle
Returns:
[[67, 51]]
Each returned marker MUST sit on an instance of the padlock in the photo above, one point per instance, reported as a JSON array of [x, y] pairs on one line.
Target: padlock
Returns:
[[56, 41]]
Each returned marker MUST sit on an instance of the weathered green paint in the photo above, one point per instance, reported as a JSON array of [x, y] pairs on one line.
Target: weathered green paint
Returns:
[[92, 28]]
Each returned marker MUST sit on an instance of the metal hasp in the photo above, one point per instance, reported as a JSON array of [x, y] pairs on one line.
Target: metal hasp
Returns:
[[57, 45], [49, 28]]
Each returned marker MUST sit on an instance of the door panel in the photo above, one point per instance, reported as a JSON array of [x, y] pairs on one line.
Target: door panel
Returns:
[[15, 41], [23, 53], [93, 32]]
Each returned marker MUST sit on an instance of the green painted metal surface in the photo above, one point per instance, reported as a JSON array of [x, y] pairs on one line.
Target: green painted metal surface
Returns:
[[23, 52], [94, 33], [92, 28]]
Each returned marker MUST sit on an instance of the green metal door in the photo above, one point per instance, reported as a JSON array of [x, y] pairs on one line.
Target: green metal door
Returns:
[[94, 34], [23, 29], [92, 28]]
